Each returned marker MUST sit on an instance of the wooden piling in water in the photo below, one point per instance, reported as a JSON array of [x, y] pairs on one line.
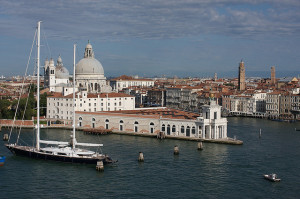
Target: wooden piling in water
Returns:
[[200, 146], [176, 150], [161, 135], [259, 133], [141, 157], [5, 137], [100, 166]]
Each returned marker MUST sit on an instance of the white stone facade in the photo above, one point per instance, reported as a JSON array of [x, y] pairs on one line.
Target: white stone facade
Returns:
[[210, 126], [55, 77], [251, 105], [61, 107], [122, 82]]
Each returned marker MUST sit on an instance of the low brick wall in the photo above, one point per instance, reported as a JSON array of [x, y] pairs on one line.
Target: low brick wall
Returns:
[[27, 123]]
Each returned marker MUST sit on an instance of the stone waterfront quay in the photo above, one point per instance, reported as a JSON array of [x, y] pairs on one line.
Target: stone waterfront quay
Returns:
[[103, 131], [96, 131]]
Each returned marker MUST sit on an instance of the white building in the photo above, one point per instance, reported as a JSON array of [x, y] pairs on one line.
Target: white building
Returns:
[[272, 104], [250, 105], [61, 107], [125, 82], [55, 77], [209, 126]]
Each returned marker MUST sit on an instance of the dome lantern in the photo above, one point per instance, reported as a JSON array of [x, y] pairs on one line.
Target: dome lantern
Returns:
[[89, 53]]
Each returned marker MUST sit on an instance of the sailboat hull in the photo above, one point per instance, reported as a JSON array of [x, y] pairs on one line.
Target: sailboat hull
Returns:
[[31, 152]]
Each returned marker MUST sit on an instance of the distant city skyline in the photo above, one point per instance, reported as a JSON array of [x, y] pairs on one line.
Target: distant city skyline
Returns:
[[194, 38]]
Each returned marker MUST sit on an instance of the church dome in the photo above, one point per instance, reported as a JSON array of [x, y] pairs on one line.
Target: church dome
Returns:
[[89, 65], [60, 71]]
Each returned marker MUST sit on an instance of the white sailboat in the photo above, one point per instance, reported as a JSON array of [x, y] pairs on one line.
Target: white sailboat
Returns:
[[58, 150]]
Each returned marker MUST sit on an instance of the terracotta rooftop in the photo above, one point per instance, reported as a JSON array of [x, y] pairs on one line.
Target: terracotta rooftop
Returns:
[[91, 95], [125, 77], [150, 113]]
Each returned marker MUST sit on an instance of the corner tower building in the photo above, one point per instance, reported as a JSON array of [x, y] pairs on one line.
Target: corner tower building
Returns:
[[242, 84]]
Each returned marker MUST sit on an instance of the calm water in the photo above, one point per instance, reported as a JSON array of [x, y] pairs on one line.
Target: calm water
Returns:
[[219, 171]]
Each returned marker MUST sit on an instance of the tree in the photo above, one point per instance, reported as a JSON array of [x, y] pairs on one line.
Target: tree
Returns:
[[43, 104], [5, 109]]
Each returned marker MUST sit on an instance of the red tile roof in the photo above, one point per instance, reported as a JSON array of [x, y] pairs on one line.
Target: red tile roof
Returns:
[[150, 113], [91, 95]]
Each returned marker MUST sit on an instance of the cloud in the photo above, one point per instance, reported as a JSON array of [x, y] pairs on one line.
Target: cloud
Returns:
[[152, 19]]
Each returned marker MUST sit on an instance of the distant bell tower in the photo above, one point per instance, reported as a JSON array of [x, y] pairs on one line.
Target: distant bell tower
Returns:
[[46, 74], [215, 77], [51, 75], [273, 78], [242, 84]]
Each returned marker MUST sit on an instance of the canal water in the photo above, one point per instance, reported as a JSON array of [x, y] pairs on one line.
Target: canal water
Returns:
[[219, 171]]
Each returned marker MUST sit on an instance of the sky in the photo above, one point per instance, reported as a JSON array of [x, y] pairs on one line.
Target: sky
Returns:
[[190, 38]]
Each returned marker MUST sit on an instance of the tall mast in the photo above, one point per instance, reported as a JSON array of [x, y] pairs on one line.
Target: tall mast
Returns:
[[74, 125], [38, 87]]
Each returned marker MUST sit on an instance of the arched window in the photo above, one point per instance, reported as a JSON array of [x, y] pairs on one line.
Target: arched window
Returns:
[[151, 127], [168, 129], [188, 129], [106, 124], [173, 128], [163, 128], [193, 130], [80, 121], [136, 126], [182, 129], [93, 122], [121, 125]]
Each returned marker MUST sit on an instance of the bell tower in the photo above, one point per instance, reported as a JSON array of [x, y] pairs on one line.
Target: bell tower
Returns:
[[242, 84]]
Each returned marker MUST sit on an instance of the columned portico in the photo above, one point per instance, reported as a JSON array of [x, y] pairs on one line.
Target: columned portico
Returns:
[[211, 125]]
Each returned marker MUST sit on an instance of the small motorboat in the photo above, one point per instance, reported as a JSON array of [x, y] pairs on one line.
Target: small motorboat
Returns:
[[272, 177], [2, 160]]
